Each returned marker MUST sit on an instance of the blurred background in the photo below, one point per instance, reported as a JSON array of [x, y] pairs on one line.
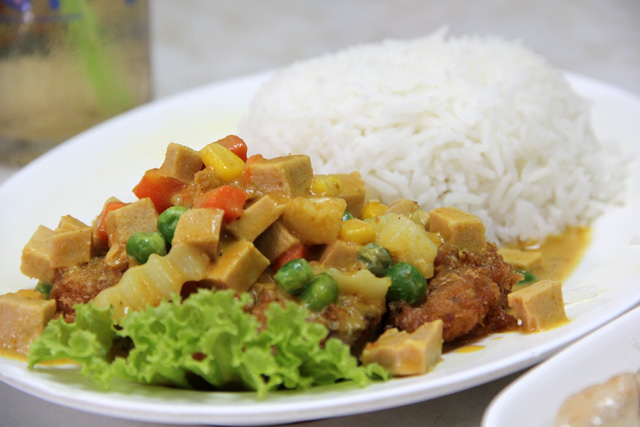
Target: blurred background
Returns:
[[196, 42], [199, 42]]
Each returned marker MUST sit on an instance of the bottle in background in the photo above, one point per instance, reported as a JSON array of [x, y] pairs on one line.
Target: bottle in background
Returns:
[[66, 65]]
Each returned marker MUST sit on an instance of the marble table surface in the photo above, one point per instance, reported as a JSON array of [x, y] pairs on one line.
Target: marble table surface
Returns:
[[196, 42]]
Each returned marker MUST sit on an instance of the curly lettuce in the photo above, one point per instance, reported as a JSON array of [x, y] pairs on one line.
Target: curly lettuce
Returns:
[[208, 339]]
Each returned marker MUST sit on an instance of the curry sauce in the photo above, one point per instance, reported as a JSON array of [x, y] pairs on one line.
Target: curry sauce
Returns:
[[560, 254]]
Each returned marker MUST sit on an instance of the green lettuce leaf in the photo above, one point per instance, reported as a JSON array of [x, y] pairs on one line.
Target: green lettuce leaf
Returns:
[[87, 341], [209, 339]]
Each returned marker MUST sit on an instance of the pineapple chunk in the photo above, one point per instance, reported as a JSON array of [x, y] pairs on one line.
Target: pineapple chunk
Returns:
[[315, 220], [406, 241]]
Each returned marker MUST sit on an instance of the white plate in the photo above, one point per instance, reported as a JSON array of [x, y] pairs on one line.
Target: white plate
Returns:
[[109, 160], [535, 398]]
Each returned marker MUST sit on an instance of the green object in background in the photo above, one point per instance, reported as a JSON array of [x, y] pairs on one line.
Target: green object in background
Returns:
[[90, 43]]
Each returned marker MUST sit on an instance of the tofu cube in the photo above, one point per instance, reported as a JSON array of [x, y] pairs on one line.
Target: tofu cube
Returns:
[[71, 243], [315, 220], [23, 316], [238, 267], [290, 175], [122, 223], [200, 227], [353, 192], [539, 306], [181, 162], [405, 353], [522, 260], [340, 254], [458, 228], [276, 240], [258, 217], [35, 261]]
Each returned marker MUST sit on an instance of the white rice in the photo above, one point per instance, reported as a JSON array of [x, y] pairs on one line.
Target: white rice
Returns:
[[475, 122]]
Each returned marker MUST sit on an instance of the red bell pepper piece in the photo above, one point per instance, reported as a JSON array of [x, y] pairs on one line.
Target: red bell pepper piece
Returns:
[[236, 145], [230, 199], [159, 188], [295, 252], [102, 226]]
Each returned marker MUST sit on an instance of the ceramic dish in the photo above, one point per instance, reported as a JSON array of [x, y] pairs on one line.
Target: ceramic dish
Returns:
[[535, 398], [108, 161]]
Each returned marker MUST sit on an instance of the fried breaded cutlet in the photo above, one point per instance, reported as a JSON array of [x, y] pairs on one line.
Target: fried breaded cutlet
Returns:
[[80, 283], [468, 293]]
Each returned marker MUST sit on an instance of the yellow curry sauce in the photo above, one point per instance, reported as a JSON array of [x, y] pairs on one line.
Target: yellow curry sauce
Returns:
[[561, 254], [306, 219]]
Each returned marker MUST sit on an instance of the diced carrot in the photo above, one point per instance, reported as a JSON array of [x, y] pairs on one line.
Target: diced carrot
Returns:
[[236, 145], [295, 252], [102, 226], [230, 199], [159, 188]]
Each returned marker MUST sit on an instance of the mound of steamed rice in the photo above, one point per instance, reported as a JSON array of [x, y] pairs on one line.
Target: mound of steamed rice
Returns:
[[475, 122]]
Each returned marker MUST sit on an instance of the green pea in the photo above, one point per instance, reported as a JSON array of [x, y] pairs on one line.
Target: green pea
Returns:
[[320, 292], [407, 283], [168, 220], [377, 258], [529, 278], [294, 276], [44, 289], [141, 245], [347, 215]]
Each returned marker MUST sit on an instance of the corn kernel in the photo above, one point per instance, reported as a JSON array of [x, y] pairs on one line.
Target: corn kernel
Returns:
[[226, 164], [357, 231], [372, 209], [326, 185]]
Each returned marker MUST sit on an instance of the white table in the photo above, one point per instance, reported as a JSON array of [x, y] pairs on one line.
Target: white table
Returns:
[[196, 42]]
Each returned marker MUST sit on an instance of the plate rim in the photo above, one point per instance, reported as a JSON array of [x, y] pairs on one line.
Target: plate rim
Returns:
[[409, 393]]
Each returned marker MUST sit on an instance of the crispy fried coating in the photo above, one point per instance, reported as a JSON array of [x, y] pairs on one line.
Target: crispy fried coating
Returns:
[[468, 293], [80, 283], [354, 319]]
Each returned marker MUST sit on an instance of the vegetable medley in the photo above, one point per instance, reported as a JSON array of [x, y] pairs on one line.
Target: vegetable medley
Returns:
[[230, 272]]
